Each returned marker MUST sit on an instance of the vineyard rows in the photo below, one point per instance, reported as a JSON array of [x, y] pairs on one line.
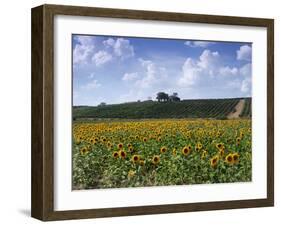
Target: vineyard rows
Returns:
[[210, 108]]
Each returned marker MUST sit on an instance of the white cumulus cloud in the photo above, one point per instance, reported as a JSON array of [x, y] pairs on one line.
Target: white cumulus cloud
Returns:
[[202, 44], [121, 47], [246, 70], [83, 50], [195, 70], [227, 71], [209, 60], [244, 53], [191, 73], [153, 74], [246, 73], [130, 76], [101, 57], [209, 70], [246, 85]]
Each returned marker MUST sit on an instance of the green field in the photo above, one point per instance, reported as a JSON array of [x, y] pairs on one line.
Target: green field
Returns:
[[205, 108]]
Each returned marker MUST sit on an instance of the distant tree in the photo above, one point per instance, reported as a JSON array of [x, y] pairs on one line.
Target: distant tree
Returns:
[[149, 98], [166, 97], [102, 104], [139, 101], [174, 97], [162, 97]]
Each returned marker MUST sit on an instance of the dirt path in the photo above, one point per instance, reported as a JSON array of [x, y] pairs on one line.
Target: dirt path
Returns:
[[238, 110]]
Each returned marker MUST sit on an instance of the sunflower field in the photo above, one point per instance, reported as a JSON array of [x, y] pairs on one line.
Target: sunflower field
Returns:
[[160, 152]]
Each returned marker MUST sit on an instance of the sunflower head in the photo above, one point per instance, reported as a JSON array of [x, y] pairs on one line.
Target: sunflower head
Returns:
[[115, 154], [214, 161], [229, 159], [120, 146], [144, 139], [131, 173], [84, 150], [174, 151], [219, 145], [186, 150], [155, 159], [159, 139], [204, 154], [235, 157], [163, 150], [135, 158], [221, 152], [122, 154]]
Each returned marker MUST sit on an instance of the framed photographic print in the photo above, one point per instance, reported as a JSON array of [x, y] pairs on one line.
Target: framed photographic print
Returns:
[[141, 112]]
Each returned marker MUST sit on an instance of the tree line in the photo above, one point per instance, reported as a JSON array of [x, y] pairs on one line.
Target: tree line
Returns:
[[164, 97]]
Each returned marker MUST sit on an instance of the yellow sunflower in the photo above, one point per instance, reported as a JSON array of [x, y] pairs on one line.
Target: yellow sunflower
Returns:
[[122, 154], [214, 161], [199, 146], [204, 154], [131, 173], [235, 157], [120, 146], [155, 159], [163, 149], [229, 159], [238, 140], [219, 145], [221, 152], [115, 154], [84, 150], [135, 158], [186, 150]]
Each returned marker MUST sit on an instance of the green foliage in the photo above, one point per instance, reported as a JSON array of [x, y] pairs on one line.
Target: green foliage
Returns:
[[94, 145], [212, 108]]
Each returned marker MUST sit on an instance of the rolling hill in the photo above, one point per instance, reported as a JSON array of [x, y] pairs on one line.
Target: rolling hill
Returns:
[[204, 108]]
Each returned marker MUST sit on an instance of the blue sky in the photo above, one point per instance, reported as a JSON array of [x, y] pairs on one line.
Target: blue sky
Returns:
[[123, 69]]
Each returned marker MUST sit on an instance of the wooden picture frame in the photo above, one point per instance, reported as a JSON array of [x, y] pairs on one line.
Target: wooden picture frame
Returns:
[[42, 203]]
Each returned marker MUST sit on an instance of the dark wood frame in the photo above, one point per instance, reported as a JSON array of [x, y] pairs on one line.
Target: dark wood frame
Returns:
[[42, 203]]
